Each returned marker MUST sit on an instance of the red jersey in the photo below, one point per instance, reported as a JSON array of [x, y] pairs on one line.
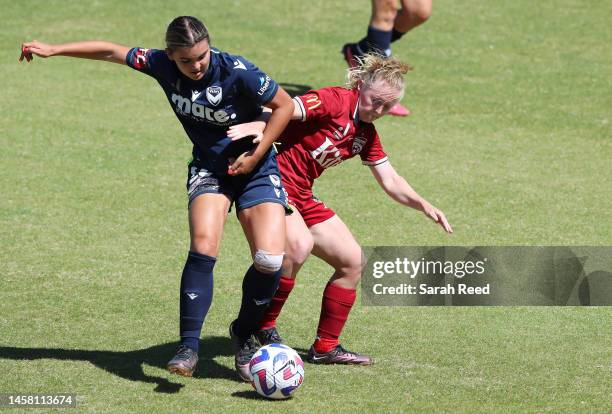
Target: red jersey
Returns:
[[328, 133]]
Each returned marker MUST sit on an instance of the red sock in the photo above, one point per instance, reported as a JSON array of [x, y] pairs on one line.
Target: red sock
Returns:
[[276, 304], [335, 307]]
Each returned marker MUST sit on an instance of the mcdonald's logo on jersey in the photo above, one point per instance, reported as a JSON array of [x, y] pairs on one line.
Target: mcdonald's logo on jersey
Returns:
[[312, 101]]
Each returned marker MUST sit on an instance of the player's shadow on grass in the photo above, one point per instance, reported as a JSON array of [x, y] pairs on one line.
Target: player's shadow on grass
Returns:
[[129, 364], [252, 395], [294, 89], [302, 352]]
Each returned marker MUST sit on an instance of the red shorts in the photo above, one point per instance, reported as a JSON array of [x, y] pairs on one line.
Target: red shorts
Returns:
[[312, 210]]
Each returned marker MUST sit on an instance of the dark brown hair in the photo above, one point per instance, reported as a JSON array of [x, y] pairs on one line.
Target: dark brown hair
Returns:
[[185, 31]]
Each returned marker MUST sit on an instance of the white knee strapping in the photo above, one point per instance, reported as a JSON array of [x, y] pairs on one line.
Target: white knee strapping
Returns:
[[266, 262]]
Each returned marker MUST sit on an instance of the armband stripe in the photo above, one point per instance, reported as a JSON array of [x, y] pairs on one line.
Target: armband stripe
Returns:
[[377, 162], [302, 109]]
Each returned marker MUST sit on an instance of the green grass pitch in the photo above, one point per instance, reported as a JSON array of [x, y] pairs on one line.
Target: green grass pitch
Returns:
[[510, 136]]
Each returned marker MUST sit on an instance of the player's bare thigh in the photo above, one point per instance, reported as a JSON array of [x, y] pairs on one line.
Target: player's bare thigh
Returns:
[[207, 215], [334, 243], [298, 246], [412, 14], [383, 14], [264, 227]]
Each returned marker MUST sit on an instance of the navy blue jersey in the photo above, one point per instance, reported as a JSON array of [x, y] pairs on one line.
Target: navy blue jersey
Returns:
[[231, 92]]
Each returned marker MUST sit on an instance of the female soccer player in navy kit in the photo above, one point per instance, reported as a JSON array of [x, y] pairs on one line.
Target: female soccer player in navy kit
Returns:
[[211, 93], [336, 124]]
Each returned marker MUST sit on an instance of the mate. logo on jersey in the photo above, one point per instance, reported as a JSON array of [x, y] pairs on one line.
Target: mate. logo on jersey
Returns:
[[358, 143], [327, 155], [186, 107], [140, 58], [213, 94]]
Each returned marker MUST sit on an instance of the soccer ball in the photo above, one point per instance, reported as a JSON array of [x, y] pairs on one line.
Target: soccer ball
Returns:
[[276, 371]]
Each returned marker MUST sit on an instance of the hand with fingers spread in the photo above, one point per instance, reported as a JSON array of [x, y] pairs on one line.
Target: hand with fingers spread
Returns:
[[252, 130], [436, 215]]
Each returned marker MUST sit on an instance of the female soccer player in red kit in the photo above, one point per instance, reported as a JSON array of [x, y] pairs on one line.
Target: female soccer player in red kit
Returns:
[[336, 124]]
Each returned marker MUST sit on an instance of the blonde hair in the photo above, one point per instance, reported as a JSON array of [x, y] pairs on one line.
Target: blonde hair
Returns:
[[374, 67]]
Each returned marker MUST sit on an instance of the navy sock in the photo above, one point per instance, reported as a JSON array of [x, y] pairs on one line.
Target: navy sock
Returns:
[[396, 35], [196, 297], [257, 291], [376, 41]]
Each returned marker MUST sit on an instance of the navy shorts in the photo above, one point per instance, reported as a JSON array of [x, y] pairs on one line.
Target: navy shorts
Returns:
[[262, 185]]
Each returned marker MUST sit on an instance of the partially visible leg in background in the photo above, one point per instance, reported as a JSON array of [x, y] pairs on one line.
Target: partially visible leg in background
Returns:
[[378, 36], [412, 14], [388, 25]]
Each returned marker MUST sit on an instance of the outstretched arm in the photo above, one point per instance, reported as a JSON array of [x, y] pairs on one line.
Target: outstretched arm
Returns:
[[92, 49], [399, 190]]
